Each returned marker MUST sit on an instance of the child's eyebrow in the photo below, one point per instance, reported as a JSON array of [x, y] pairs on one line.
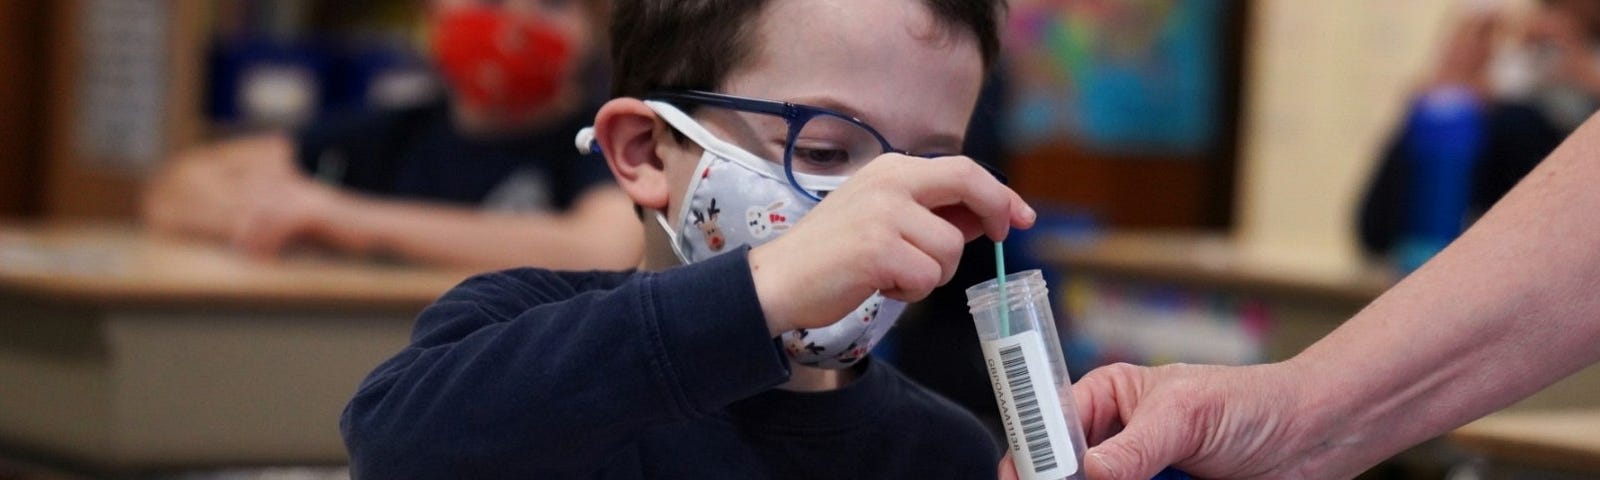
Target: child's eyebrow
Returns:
[[944, 143]]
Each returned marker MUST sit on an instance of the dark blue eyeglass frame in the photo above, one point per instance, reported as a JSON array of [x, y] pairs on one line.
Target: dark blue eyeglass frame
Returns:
[[796, 116]]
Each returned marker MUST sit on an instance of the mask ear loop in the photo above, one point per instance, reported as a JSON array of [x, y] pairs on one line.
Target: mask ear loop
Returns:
[[588, 146], [697, 133], [672, 238]]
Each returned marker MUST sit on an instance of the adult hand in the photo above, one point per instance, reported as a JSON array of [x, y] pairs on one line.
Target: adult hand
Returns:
[[1008, 468], [1251, 422], [898, 226]]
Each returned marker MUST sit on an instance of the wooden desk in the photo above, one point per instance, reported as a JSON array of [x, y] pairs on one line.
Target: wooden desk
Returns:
[[121, 351], [1565, 441]]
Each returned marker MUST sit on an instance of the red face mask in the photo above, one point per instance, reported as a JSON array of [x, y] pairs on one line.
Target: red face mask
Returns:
[[499, 61]]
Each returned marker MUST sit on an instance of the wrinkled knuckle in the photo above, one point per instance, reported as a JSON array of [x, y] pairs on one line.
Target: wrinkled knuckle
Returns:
[[1187, 406], [1134, 458], [1119, 369]]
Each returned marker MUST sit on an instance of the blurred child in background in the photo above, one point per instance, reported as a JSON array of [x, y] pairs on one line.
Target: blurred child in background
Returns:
[[486, 178], [1531, 92]]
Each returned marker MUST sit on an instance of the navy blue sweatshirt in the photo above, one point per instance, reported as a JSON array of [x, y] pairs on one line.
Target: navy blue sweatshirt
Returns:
[[538, 374]]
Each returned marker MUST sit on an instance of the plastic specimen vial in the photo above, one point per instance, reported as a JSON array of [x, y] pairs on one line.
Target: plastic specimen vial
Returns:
[[1022, 354]]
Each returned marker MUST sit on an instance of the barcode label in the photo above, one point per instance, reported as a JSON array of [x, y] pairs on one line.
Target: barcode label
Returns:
[[1030, 407]]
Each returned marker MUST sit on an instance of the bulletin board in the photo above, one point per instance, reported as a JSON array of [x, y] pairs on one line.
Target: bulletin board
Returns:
[[1133, 76], [119, 99], [1126, 111]]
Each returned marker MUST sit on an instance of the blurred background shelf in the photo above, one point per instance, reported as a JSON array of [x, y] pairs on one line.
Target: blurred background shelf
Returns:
[[1557, 444]]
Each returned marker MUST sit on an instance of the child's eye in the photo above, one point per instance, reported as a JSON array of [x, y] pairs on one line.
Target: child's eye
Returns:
[[820, 160]]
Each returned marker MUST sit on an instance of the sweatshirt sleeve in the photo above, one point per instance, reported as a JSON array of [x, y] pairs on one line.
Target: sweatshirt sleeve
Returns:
[[523, 377]]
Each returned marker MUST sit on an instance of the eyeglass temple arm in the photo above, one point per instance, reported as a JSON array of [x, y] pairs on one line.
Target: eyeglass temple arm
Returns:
[[587, 145]]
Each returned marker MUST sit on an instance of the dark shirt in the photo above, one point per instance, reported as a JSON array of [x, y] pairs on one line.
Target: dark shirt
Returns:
[[538, 374], [1516, 138], [418, 154]]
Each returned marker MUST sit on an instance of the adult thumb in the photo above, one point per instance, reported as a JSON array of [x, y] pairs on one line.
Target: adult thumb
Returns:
[[1139, 452]]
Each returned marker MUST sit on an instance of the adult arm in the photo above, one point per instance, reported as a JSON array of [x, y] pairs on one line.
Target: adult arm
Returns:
[[1509, 308]]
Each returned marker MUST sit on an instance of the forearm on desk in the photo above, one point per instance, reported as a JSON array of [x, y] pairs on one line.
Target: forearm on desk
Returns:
[[1509, 308], [598, 232], [203, 190]]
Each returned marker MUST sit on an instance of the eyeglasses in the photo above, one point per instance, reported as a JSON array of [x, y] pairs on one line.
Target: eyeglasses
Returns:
[[817, 142]]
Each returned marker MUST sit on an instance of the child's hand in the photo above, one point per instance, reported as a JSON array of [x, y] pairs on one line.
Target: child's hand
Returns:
[[898, 226]]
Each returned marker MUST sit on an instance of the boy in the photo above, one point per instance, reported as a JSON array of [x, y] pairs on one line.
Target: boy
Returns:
[[485, 178], [736, 362]]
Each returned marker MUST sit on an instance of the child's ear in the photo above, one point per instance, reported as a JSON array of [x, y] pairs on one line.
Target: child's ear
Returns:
[[627, 130]]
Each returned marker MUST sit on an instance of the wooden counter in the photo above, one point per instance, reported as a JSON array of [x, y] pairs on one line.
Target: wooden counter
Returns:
[[1214, 261], [122, 266], [1305, 303], [1528, 440], [121, 351], [1563, 441]]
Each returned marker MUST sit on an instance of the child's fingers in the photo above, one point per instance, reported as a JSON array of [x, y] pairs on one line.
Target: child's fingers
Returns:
[[970, 225], [935, 237], [947, 181], [910, 273]]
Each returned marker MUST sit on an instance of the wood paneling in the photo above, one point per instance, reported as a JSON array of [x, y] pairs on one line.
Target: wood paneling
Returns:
[[22, 62], [1124, 191]]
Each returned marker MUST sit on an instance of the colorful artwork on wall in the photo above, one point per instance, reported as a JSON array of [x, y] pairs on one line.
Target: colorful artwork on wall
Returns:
[[1139, 76]]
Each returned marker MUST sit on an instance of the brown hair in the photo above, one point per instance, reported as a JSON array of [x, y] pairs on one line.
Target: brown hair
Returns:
[[694, 44]]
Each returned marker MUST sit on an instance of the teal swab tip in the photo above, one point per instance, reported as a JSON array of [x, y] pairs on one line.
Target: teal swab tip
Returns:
[[1000, 278]]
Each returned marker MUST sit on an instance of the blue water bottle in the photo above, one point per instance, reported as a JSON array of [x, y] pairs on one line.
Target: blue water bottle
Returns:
[[1444, 135]]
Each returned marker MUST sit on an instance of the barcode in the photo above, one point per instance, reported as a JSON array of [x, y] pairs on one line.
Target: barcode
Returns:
[[1027, 404]]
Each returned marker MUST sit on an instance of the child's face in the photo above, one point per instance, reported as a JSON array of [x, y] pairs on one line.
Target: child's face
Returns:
[[889, 63]]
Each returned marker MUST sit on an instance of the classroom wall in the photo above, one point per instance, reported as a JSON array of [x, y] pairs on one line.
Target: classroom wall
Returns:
[[90, 167], [1328, 81]]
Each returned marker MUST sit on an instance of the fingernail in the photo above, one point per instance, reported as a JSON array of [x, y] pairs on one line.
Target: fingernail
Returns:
[[1028, 213]]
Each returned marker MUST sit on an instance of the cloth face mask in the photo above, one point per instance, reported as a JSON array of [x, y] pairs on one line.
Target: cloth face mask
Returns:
[[737, 199]]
